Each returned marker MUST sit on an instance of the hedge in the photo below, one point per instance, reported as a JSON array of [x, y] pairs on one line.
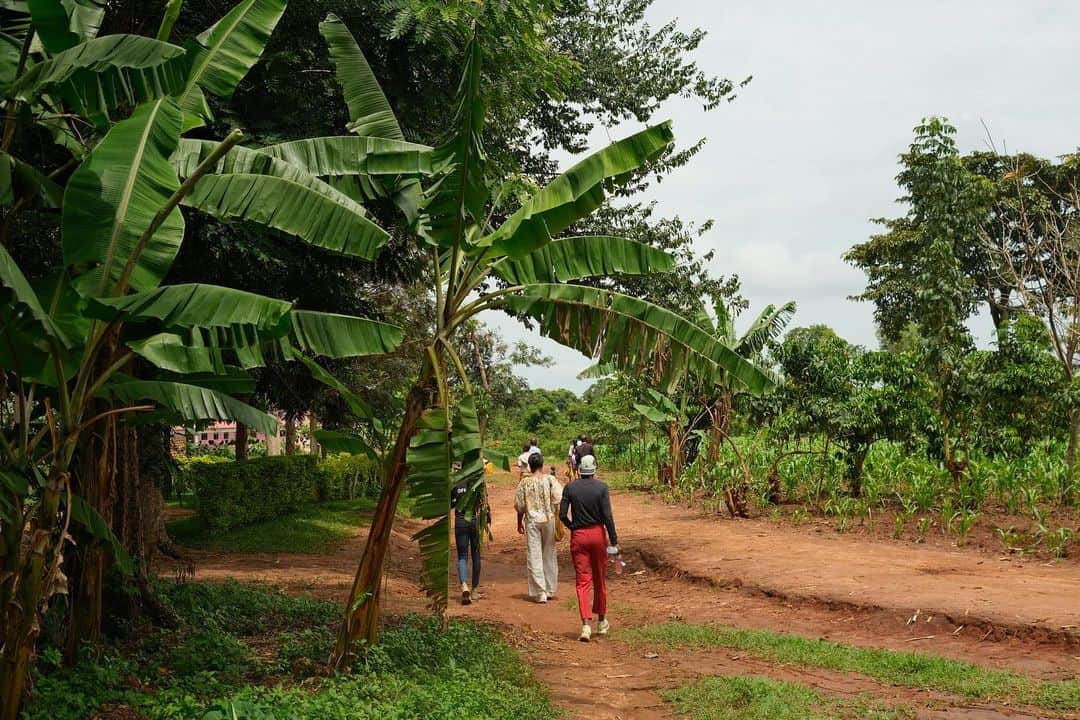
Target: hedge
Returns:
[[232, 494], [344, 477]]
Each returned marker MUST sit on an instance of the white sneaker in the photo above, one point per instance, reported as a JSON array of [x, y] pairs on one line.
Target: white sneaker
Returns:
[[586, 633], [602, 627], [541, 598], [466, 596]]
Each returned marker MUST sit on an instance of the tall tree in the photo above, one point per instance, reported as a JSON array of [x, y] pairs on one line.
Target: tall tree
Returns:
[[1035, 239], [929, 284]]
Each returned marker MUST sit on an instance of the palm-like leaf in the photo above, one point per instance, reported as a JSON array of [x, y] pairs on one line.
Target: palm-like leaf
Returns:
[[337, 225], [112, 198], [457, 201], [105, 72], [345, 155], [627, 332], [430, 459], [224, 53], [190, 402], [370, 114], [64, 24], [200, 306], [576, 193], [342, 336], [241, 160], [768, 325], [25, 301], [573, 258]]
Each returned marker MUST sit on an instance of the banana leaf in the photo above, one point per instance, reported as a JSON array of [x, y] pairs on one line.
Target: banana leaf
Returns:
[[107, 72], [345, 155], [114, 195], [573, 258], [370, 114], [576, 193], [430, 458], [223, 54], [457, 201], [317, 219], [191, 153], [191, 402], [88, 518], [63, 24], [629, 333], [198, 306]]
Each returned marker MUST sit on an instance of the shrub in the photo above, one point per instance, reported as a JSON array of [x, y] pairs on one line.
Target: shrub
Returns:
[[233, 494], [344, 477]]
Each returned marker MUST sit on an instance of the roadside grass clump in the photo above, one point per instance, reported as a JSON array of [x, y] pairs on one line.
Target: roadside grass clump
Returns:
[[761, 698], [245, 609], [316, 528], [247, 652], [914, 670]]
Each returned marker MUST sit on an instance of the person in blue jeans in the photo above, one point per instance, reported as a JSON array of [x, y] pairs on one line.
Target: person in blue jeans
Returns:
[[467, 535]]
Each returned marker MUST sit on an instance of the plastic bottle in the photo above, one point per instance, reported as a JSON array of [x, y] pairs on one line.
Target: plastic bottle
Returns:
[[615, 558]]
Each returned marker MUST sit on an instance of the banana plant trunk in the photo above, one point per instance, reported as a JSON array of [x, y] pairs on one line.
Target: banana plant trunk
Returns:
[[22, 613], [676, 450], [94, 482], [361, 622]]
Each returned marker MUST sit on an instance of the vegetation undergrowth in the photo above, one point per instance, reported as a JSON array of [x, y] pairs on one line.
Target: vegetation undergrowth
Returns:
[[905, 669], [247, 652], [759, 698], [315, 528]]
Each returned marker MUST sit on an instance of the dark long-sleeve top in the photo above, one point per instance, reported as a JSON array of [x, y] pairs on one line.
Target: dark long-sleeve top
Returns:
[[587, 502]]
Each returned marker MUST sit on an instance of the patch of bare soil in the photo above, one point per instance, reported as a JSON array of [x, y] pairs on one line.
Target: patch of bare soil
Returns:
[[752, 574]]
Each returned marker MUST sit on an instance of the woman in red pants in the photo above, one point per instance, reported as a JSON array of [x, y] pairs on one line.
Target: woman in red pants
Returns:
[[586, 510]]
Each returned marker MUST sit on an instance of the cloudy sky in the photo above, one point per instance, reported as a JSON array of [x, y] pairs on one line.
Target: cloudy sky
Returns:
[[794, 168]]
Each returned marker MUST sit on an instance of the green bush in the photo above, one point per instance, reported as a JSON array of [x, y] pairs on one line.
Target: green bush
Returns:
[[344, 477], [233, 494]]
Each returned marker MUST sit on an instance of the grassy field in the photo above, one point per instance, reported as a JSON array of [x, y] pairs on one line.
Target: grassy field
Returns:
[[252, 653], [315, 528], [758, 698], [903, 669]]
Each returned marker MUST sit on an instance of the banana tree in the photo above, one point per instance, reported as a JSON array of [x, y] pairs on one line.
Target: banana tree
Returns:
[[523, 265], [69, 340]]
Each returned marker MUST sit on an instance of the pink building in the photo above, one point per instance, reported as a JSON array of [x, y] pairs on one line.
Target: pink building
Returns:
[[221, 433]]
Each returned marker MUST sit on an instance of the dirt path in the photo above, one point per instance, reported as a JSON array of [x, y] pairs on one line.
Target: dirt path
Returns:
[[749, 574]]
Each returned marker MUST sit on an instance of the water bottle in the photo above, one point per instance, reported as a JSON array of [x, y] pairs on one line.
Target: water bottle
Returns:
[[615, 558]]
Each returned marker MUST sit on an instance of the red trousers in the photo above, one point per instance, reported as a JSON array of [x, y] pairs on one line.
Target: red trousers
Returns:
[[588, 550]]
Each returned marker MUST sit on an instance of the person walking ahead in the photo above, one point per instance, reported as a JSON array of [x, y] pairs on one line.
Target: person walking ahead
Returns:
[[467, 534], [586, 510], [536, 500]]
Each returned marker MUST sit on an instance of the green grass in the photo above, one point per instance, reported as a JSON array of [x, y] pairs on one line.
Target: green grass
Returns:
[[246, 652], [759, 698], [913, 670], [315, 528]]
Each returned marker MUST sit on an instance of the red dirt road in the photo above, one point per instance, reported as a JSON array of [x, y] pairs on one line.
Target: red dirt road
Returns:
[[753, 574]]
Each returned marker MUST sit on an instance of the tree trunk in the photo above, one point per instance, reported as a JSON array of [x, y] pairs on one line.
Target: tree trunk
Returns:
[[1070, 457], [855, 460], [241, 441], [676, 450], [142, 469], [290, 435], [87, 560], [22, 615], [361, 620]]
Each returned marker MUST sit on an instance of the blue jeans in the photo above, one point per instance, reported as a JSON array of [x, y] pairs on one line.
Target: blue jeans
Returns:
[[467, 538]]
